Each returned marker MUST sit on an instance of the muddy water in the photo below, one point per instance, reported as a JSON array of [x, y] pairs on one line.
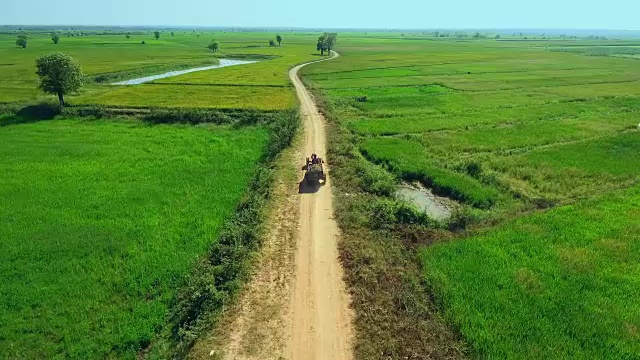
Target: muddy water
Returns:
[[223, 63], [435, 206]]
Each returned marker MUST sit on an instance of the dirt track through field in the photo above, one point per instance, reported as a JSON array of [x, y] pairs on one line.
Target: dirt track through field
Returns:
[[320, 313], [296, 306]]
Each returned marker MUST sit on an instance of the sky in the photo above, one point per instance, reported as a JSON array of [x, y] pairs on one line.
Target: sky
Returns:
[[368, 14]]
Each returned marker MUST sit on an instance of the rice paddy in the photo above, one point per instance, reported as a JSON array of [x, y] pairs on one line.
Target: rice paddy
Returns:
[[102, 222], [540, 144]]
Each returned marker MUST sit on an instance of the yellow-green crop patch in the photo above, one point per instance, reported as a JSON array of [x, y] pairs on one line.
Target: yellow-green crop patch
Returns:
[[192, 96], [101, 221]]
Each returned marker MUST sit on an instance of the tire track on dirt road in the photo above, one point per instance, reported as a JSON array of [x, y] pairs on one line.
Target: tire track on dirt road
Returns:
[[320, 313]]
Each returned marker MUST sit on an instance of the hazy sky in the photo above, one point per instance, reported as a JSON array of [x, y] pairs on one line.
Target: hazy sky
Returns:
[[576, 14]]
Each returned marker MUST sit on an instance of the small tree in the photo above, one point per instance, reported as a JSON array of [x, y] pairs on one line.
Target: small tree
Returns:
[[215, 46], [22, 41], [55, 38], [320, 45], [497, 36], [279, 40], [272, 43], [143, 42], [128, 36], [59, 74], [329, 42], [172, 33], [156, 34]]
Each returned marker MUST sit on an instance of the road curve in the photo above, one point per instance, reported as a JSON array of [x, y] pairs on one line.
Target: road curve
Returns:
[[320, 314]]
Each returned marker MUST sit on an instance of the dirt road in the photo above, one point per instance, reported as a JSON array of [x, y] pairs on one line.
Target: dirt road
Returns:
[[320, 313], [296, 306]]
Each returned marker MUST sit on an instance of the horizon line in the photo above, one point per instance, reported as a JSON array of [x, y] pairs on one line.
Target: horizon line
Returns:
[[318, 28]]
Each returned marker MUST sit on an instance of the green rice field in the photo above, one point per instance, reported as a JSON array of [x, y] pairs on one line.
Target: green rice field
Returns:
[[101, 223], [105, 221], [560, 284], [539, 141]]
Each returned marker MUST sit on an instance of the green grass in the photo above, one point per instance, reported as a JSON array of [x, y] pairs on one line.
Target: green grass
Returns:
[[575, 170], [532, 114], [561, 284], [101, 223]]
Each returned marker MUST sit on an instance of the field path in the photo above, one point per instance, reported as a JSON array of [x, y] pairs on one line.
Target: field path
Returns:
[[320, 313], [296, 305]]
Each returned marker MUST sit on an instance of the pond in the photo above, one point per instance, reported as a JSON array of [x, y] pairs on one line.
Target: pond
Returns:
[[435, 206]]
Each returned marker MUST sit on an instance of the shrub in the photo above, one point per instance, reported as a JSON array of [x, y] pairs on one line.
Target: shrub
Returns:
[[21, 41], [474, 169], [375, 180], [387, 214]]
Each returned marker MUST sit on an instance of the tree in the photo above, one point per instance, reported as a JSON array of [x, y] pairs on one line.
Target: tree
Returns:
[[215, 46], [330, 41], [172, 33], [320, 45], [22, 41], [326, 42], [128, 36], [156, 34], [55, 38], [272, 43], [143, 42], [279, 40], [59, 74], [497, 36]]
